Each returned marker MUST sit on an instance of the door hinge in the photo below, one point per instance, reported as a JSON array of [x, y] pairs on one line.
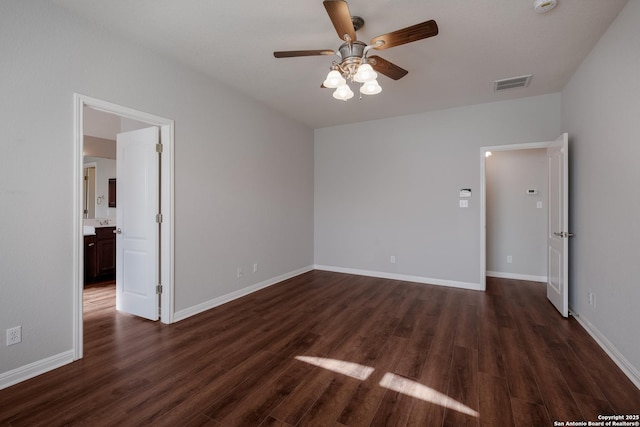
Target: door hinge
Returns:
[[158, 148], [159, 218], [159, 289]]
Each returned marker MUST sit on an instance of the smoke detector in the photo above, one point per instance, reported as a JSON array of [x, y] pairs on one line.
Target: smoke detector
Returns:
[[544, 6]]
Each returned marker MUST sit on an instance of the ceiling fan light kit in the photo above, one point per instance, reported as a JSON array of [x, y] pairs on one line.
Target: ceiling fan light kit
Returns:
[[343, 93], [334, 79], [354, 65], [371, 88]]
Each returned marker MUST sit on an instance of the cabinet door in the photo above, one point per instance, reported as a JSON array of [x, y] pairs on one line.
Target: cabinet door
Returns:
[[106, 257], [106, 252], [90, 260]]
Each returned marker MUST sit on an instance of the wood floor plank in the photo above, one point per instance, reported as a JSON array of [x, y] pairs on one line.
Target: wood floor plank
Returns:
[[258, 402], [466, 334], [490, 352], [592, 407], [575, 374], [551, 383], [433, 356], [417, 349], [495, 402], [522, 382], [619, 391], [395, 407], [463, 388], [435, 376], [529, 414], [364, 401]]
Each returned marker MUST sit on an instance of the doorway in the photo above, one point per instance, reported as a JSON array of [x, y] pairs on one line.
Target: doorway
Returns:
[[166, 206], [557, 212], [483, 196], [516, 222]]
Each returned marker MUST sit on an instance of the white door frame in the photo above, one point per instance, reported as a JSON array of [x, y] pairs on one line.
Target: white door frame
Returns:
[[483, 198], [167, 191]]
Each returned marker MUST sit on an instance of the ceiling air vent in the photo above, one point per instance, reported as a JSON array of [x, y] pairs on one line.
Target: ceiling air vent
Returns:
[[513, 82]]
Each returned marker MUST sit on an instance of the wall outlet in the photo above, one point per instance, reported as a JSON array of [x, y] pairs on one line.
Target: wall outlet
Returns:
[[509, 259], [592, 299], [14, 335], [255, 268], [392, 260], [239, 272]]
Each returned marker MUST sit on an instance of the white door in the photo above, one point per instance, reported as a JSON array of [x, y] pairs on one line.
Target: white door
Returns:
[[137, 232], [558, 236]]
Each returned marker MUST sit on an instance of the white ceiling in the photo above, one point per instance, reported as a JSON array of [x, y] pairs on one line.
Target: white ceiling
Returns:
[[480, 41]]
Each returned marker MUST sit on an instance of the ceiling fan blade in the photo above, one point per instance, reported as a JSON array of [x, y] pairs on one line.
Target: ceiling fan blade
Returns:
[[406, 35], [387, 68], [338, 11], [295, 53]]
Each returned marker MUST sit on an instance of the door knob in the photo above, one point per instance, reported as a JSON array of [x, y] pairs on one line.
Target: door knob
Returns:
[[117, 231]]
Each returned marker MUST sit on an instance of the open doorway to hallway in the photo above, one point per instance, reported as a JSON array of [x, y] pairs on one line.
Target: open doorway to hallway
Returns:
[[516, 209], [97, 126]]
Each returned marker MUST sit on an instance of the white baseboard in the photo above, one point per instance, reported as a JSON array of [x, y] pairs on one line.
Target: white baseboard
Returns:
[[403, 277], [34, 369], [629, 370], [515, 276], [207, 305]]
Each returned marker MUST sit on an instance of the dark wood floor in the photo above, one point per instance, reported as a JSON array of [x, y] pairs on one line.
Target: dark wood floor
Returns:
[[331, 349]]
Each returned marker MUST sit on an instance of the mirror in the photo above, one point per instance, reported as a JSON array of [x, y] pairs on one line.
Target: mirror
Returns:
[[89, 191], [97, 188]]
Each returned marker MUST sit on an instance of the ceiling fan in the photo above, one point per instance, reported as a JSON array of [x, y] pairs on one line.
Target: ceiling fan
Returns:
[[354, 64]]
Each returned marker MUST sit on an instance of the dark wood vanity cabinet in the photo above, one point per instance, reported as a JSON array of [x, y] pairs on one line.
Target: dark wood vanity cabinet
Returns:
[[100, 255]]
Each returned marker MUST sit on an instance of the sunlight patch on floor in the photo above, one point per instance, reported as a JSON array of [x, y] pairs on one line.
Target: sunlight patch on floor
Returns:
[[353, 370], [422, 392]]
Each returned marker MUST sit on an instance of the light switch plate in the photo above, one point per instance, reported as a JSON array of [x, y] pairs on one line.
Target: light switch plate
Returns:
[[464, 203]]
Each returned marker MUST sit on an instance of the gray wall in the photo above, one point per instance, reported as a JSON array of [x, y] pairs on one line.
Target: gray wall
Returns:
[[601, 112], [516, 227], [391, 187], [243, 173]]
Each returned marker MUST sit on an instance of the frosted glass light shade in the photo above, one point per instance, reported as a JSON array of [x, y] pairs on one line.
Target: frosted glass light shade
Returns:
[[365, 74], [343, 93], [334, 79], [371, 88]]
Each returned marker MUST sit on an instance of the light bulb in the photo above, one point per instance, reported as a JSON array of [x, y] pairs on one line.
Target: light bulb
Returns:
[[343, 93], [334, 79], [365, 74], [371, 88]]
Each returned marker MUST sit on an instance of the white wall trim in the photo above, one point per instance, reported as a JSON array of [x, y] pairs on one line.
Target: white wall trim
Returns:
[[23, 373], [627, 368], [403, 277], [208, 305], [514, 276]]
